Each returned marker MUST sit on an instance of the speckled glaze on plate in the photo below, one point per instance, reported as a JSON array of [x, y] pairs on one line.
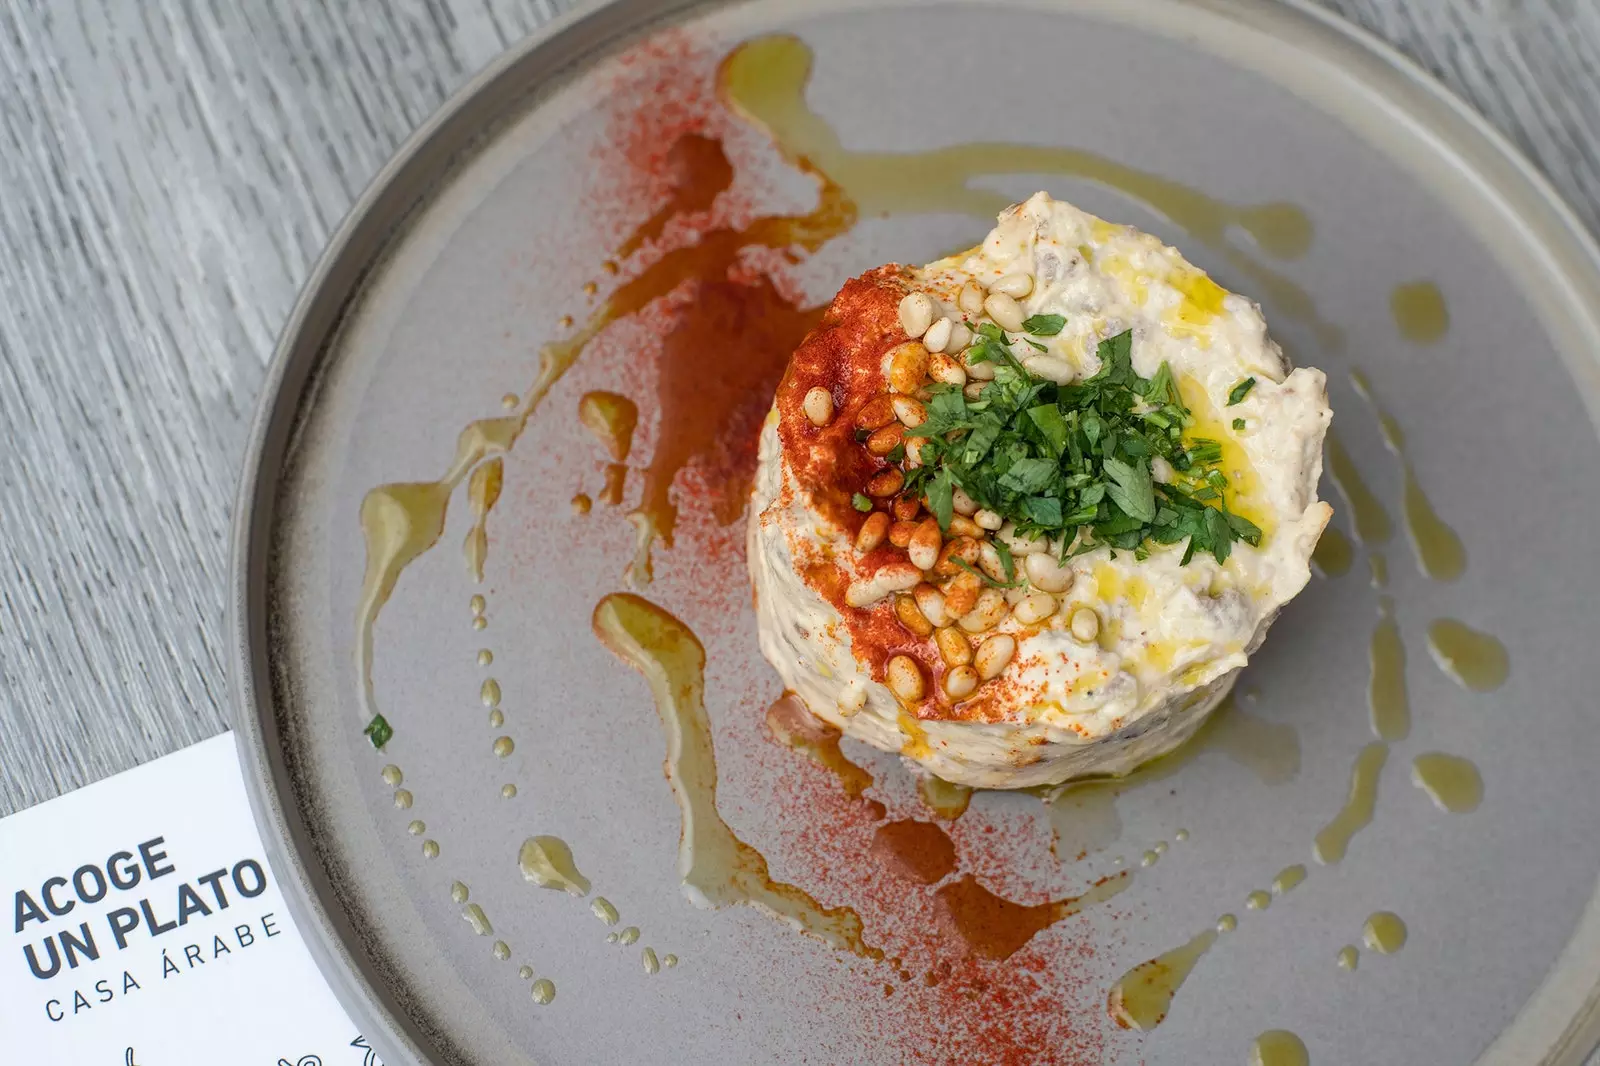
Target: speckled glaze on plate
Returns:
[[457, 266]]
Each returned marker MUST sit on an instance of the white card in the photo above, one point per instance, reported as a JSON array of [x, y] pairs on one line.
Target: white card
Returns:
[[143, 925]]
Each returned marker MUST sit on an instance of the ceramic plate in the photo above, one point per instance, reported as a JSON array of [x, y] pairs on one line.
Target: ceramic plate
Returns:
[[633, 203]]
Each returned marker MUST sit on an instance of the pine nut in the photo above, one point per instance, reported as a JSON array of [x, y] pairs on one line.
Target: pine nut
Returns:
[[988, 520], [971, 299], [974, 389], [910, 412], [989, 561], [994, 655], [875, 413], [964, 504], [938, 335], [908, 367], [900, 533], [1085, 624], [1018, 544], [886, 483], [979, 371], [931, 602], [945, 370], [1034, 608], [989, 611], [961, 593], [886, 440], [818, 405], [863, 592], [954, 648], [962, 548], [1051, 368], [872, 531], [1044, 572], [1005, 311], [916, 313], [925, 544], [1016, 285], [904, 678], [906, 507], [962, 526], [891, 577], [914, 450], [960, 337], [911, 616], [960, 682]]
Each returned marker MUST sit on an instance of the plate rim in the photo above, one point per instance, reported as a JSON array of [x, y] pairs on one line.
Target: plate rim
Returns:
[[1507, 177]]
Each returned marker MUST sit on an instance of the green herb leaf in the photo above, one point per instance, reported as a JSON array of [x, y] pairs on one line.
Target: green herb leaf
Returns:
[[1240, 391], [1044, 325], [985, 578], [860, 502], [1238, 425], [378, 731], [1131, 489], [941, 498], [1007, 563]]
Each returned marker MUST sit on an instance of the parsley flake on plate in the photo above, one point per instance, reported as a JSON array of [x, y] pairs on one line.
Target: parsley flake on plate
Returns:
[[1240, 391], [1074, 462]]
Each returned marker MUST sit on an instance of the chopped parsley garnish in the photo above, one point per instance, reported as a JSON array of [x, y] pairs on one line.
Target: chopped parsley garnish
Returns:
[[1240, 391], [1238, 424], [1044, 325], [860, 502], [378, 731], [1074, 462]]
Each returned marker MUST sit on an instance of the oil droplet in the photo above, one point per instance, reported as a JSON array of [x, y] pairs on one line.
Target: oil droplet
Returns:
[[490, 693], [1371, 521], [474, 916], [525, 972], [478, 604], [610, 267], [544, 991], [1288, 879], [1160, 848], [582, 504], [430, 849], [501, 950], [1279, 1047], [458, 892], [764, 81], [483, 492], [417, 828], [793, 725], [669, 961], [944, 798], [509, 401], [497, 718], [1142, 997], [485, 657], [1384, 933], [628, 936], [917, 851], [392, 776], [547, 862], [480, 622], [1181, 835], [565, 322], [616, 479], [648, 958], [1453, 782], [611, 417], [1419, 311], [611, 938], [1386, 683], [1334, 840], [508, 791], [716, 868], [601, 908], [402, 798], [1258, 900], [1475, 660], [994, 927], [503, 746], [590, 288], [1348, 957], [1227, 923], [1378, 566], [1149, 858], [1333, 555]]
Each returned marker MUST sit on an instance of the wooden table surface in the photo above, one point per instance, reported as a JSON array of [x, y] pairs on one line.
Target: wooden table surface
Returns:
[[169, 170]]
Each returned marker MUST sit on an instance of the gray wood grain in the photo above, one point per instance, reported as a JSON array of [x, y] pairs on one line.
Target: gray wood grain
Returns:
[[169, 170]]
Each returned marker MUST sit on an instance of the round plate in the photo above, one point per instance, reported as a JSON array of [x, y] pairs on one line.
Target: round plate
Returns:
[[434, 302]]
